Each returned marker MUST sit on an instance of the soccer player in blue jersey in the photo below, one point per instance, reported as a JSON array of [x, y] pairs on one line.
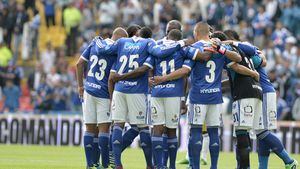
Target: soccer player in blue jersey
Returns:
[[95, 97], [205, 94], [266, 139]]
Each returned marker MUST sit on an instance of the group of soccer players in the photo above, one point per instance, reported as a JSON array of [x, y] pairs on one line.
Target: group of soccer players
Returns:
[[130, 78]]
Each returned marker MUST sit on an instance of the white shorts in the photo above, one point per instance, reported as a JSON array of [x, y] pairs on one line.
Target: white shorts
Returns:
[[247, 114], [165, 111], [208, 113], [95, 110], [269, 108], [131, 108]]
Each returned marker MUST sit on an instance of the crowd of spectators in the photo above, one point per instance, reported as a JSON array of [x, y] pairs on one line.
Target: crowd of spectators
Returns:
[[272, 25]]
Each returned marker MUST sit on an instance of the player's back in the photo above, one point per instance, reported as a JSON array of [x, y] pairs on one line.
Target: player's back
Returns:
[[132, 53], [244, 86], [99, 65], [206, 78], [167, 65]]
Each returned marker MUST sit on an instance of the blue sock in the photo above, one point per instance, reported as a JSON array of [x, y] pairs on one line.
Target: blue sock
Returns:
[[88, 141], [165, 149], [110, 139], [190, 148], [172, 148], [129, 136], [263, 154], [96, 150], [146, 146], [157, 148], [214, 146], [103, 144], [117, 144], [196, 145], [275, 144]]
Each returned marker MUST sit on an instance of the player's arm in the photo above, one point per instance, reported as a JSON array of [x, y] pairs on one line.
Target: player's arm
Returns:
[[247, 48], [80, 65], [148, 64], [263, 57], [177, 74], [232, 55], [244, 70], [198, 54], [111, 84], [106, 49], [164, 50]]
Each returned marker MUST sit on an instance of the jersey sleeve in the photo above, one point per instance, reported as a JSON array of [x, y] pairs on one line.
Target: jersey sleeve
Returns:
[[188, 63], [107, 49], [247, 48], [257, 61], [86, 53], [149, 62], [162, 50], [191, 52]]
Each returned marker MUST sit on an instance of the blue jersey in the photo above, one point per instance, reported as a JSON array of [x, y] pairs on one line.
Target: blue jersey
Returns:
[[206, 78], [132, 53], [99, 65], [166, 65], [264, 81]]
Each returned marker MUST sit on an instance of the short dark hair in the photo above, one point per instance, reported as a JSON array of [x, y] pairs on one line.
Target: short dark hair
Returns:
[[133, 29], [175, 34], [220, 35], [232, 35], [173, 24], [145, 32]]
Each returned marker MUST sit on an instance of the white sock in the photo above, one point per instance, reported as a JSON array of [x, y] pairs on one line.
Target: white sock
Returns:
[[205, 147]]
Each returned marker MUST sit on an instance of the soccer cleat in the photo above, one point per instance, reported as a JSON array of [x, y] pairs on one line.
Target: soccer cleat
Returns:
[[293, 165], [183, 161], [203, 161]]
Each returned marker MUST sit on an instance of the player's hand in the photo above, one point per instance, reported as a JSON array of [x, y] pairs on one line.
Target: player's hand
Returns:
[[256, 76], [183, 108], [217, 44], [80, 92], [116, 77], [158, 80]]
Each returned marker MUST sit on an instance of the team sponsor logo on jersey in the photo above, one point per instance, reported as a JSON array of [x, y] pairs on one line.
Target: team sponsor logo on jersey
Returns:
[[213, 90], [93, 85], [248, 111], [128, 83], [256, 87], [131, 46], [140, 116], [165, 86]]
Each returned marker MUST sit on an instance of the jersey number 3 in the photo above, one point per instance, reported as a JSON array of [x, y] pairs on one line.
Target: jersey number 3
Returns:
[[212, 67], [102, 66]]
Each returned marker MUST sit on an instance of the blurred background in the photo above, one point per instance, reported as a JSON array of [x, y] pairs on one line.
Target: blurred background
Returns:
[[40, 41]]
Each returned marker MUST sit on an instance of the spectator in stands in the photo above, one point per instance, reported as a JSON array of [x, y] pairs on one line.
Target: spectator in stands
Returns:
[[230, 14], [87, 26], [11, 95], [72, 18], [296, 106], [49, 9], [34, 78], [14, 73], [290, 54], [215, 14], [9, 18], [279, 36], [5, 55], [60, 96], [21, 19], [107, 13], [249, 11], [34, 33], [44, 98], [53, 77], [48, 57], [282, 107], [259, 23]]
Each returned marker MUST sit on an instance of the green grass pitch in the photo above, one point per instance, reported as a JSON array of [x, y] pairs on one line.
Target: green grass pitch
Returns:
[[51, 157]]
